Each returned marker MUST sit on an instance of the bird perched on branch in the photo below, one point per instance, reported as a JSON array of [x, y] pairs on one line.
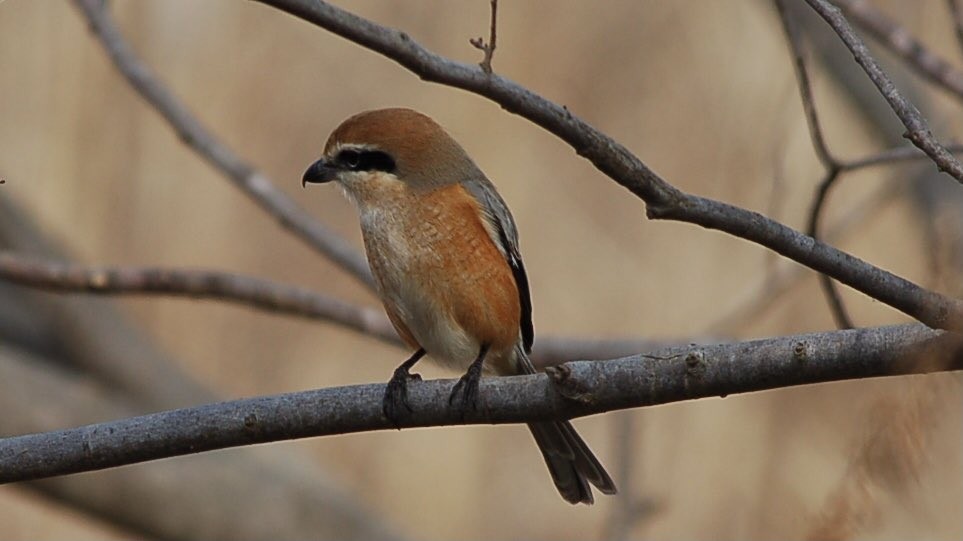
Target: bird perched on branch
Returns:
[[443, 249]]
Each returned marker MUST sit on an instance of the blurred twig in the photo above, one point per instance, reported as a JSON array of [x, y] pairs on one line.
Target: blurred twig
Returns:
[[956, 9], [572, 390], [663, 201], [245, 177], [782, 280], [831, 164], [487, 48], [901, 41], [202, 284]]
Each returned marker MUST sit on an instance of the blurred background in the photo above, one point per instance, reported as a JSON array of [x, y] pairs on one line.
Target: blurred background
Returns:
[[703, 92]]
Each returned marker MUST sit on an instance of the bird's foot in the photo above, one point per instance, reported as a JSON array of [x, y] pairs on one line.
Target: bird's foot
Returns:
[[468, 385], [395, 404]]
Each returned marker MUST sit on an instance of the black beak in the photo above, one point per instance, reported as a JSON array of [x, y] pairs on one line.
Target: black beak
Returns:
[[319, 173]]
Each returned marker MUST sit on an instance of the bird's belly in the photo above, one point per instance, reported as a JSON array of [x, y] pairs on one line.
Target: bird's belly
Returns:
[[415, 284]]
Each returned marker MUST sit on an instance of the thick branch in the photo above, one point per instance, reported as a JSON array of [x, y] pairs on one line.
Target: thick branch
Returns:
[[250, 181], [571, 390], [663, 200]]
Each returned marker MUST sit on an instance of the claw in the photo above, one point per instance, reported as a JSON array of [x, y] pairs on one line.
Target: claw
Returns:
[[395, 400], [468, 384]]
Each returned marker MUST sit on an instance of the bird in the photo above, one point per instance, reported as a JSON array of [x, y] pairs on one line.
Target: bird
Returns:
[[444, 252]]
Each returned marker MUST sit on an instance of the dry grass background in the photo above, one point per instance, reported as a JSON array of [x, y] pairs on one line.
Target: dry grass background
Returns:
[[702, 91]]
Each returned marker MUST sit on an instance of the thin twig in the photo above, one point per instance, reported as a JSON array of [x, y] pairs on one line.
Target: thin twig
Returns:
[[487, 48], [901, 41], [252, 182], [836, 306], [576, 389], [805, 88], [917, 130], [893, 155]]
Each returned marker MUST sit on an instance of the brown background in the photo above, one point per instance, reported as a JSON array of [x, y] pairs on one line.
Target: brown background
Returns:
[[702, 91]]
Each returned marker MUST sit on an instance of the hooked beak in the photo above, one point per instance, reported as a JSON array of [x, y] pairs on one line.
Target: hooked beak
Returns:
[[319, 173]]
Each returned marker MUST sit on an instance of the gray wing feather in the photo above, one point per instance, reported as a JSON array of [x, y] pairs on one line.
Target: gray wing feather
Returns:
[[506, 238]]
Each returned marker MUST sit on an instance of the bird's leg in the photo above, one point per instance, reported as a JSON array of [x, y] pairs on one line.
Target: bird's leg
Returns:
[[470, 383], [396, 393]]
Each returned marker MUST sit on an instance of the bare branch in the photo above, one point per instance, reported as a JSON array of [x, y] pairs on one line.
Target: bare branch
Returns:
[[200, 284], [917, 130], [663, 200], [900, 41], [252, 182], [487, 48], [571, 390]]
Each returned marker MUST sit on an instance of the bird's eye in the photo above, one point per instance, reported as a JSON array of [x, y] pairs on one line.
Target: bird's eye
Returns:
[[350, 158], [366, 160]]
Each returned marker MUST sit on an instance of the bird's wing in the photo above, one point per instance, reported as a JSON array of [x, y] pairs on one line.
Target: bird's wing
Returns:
[[505, 235]]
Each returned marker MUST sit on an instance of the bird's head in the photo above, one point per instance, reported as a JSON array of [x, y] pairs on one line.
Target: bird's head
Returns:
[[390, 149]]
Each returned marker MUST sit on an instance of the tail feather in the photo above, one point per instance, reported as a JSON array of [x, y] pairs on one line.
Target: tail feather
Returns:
[[570, 461]]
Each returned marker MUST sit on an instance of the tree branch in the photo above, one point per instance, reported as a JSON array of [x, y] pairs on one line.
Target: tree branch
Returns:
[[663, 200], [571, 390], [901, 42], [917, 130], [245, 177]]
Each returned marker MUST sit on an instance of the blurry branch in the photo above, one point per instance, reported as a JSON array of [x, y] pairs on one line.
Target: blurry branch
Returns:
[[788, 275], [250, 181], [270, 296], [900, 41], [917, 130], [831, 164], [91, 336], [487, 48], [87, 362], [571, 390], [663, 201], [956, 9], [202, 284]]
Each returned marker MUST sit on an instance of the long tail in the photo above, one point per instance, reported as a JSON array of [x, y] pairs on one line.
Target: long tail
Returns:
[[569, 460]]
